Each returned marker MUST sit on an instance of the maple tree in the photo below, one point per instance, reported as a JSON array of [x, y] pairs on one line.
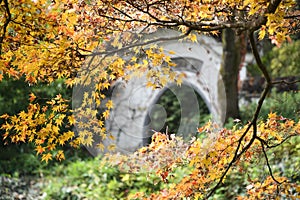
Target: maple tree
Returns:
[[43, 41]]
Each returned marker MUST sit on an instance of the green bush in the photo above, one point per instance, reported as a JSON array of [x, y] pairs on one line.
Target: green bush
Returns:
[[286, 104], [94, 179], [280, 62], [21, 164]]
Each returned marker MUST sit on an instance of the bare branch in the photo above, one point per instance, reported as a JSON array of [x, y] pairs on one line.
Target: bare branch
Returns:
[[292, 16], [275, 145], [261, 66], [268, 164], [161, 39], [285, 82]]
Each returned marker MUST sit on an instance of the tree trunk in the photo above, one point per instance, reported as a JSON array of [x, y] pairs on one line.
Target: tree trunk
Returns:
[[229, 72]]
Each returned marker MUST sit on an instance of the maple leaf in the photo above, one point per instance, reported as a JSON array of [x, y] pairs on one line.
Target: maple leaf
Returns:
[[272, 115], [39, 149], [60, 155], [32, 97], [109, 104], [262, 33], [100, 146], [193, 38], [105, 114], [46, 157], [71, 119], [4, 116]]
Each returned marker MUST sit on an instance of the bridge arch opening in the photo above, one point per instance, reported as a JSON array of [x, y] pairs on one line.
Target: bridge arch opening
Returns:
[[178, 110]]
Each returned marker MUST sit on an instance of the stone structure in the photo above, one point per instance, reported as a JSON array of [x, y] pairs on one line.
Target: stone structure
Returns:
[[134, 101]]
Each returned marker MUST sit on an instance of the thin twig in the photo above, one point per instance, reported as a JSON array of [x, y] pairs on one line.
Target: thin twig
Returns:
[[268, 164], [286, 82], [275, 145], [161, 39]]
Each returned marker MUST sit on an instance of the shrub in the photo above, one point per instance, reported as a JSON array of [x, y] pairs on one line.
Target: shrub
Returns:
[[95, 179], [286, 104]]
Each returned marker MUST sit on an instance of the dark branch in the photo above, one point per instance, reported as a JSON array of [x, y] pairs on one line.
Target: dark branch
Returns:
[[275, 145], [7, 21], [253, 123], [261, 66], [285, 82], [162, 39], [268, 164], [291, 16]]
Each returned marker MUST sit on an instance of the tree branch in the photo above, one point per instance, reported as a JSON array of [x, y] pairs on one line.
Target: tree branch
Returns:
[[268, 164], [108, 53], [275, 145], [285, 82], [8, 19], [253, 123], [161, 39], [256, 55]]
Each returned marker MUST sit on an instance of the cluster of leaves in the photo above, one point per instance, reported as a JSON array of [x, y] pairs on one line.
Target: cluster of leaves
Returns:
[[43, 33], [205, 16], [100, 178], [46, 40], [55, 39], [211, 159], [14, 93], [42, 126]]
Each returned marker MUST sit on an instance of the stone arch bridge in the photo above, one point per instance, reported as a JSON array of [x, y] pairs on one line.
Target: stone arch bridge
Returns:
[[134, 102]]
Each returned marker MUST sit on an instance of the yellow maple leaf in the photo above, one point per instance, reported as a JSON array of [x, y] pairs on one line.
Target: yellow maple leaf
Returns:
[[111, 147], [32, 97], [46, 157], [272, 115], [105, 114], [193, 38], [71, 119], [172, 52], [88, 140], [39, 149], [109, 104], [100, 146], [60, 155], [262, 33]]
